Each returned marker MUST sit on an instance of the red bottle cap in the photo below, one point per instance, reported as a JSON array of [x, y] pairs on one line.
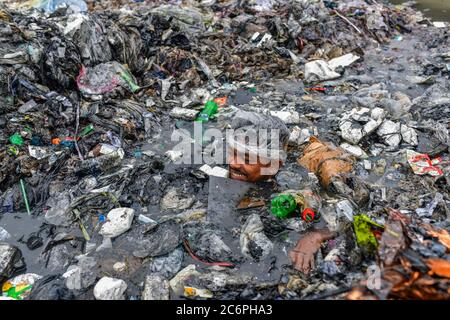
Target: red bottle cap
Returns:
[[308, 215]]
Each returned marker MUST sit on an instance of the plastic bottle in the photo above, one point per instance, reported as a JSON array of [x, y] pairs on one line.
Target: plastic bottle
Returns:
[[309, 205], [208, 111], [283, 205], [305, 202]]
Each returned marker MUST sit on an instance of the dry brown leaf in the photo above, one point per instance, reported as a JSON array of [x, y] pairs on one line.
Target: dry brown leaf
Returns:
[[440, 267], [360, 293], [248, 203], [441, 234]]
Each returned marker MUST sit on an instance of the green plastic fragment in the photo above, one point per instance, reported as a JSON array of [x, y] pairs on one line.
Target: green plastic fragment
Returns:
[[126, 76], [12, 293], [208, 111], [86, 130], [25, 197], [16, 139], [80, 223], [363, 230], [13, 150], [283, 205]]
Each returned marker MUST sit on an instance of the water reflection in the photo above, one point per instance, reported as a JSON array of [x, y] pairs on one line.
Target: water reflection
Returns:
[[438, 10]]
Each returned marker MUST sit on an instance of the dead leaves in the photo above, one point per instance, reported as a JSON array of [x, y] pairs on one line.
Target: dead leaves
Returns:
[[442, 235], [439, 267]]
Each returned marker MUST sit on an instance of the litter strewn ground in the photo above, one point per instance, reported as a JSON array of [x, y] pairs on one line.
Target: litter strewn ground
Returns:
[[93, 202]]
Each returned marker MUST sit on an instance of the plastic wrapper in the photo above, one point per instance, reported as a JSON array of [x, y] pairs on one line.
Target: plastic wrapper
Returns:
[[363, 227], [422, 164], [20, 287], [105, 78]]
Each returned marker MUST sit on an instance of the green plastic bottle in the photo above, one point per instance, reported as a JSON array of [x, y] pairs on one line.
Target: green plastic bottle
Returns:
[[305, 202], [208, 111], [283, 205]]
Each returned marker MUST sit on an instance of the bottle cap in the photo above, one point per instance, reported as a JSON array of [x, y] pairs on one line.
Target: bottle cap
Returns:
[[308, 215]]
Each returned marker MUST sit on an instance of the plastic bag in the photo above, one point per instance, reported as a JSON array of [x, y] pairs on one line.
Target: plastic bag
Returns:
[[104, 78], [52, 5], [422, 164], [363, 229]]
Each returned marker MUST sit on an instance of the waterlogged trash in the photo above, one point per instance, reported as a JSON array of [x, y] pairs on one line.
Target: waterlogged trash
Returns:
[[4, 235], [177, 282], [422, 164], [19, 287], [50, 288], [110, 289], [183, 113], [167, 265], [216, 171], [118, 221], [173, 200], [248, 203], [364, 231], [100, 164], [389, 131], [305, 203], [345, 208], [191, 292], [26, 107], [156, 288], [392, 241], [10, 260], [24, 196], [331, 262], [319, 70], [360, 122], [325, 160], [105, 78], [91, 97], [158, 241], [254, 243], [428, 210], [441, 234], [343, 61]]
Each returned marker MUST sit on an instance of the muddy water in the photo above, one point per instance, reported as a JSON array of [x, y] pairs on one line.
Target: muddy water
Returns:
[[438, 10]]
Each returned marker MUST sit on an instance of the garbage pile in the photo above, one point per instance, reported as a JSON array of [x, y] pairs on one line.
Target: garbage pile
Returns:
[[95, 204]]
